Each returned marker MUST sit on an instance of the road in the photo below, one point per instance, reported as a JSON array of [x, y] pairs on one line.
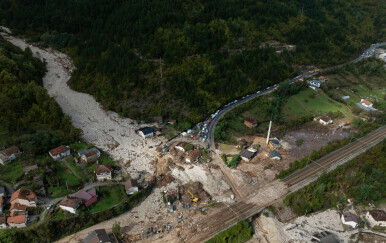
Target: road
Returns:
[[9, 188], [232, 105], [261, 198]]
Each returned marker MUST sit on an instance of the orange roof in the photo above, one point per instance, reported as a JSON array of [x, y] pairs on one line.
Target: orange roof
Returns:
[[11, 150], [58, 150], [17, 219], [18, 206], [366, 102], [251, 120], [23, 194], [102, 169]]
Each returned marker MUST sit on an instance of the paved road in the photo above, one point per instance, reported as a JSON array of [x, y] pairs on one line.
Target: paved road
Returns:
[[261, 198], [247, 98], [8, 187]]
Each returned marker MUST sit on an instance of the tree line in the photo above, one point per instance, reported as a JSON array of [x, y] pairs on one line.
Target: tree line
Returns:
[[30, 118], [210, 49]]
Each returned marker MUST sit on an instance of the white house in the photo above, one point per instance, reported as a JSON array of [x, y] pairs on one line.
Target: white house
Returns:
[[325, 120], [9, 154], [366, 103], [146, 132], [59, 152], [351, 219], [70, 204], [376, 218], [314, 84], [103, 172]]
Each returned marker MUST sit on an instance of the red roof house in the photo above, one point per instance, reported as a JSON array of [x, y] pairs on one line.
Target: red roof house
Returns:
[[88, 197], [24, 197], [59, 152], [249, 122], [366, 103]]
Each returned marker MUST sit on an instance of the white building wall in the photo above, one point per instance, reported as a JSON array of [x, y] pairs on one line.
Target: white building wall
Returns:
[[68, 209], [351, 223], [373, 222], [102, 177]]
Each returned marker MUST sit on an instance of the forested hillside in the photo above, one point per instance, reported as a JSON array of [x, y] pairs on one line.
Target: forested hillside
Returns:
[[209, 49], [29, 117]]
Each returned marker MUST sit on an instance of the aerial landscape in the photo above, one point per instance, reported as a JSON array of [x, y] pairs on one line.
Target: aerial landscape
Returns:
[[192, 121]]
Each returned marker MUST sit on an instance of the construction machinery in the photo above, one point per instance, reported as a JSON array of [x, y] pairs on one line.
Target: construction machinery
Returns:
[[194, 199]]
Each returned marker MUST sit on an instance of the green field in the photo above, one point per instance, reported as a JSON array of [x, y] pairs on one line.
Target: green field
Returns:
[[65, 178], [11, 172], [108, 196], [310, 101], [77, 169], [371, 88]]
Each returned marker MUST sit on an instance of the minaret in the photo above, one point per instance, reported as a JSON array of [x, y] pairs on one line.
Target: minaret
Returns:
[[269, 131]]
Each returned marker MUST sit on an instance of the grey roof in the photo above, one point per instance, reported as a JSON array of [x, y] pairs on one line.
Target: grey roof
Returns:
[[97, 236], [247, 154], [274, 153], [350, 217], [315, 81], [85, 151], [275, 141], [325, 237], [146, 130]]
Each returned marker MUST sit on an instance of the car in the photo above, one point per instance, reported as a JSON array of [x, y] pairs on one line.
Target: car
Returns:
[[49, 206]]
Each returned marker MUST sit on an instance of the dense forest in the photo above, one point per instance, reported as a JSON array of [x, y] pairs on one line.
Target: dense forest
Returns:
[[29, 117], [363, 178], [209, 50]]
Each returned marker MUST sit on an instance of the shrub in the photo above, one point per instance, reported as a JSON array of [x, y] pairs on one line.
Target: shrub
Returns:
[[241, 232], [299, 141]]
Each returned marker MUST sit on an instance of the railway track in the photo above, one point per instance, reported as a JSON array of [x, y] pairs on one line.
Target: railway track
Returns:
[[333, 157], [234, 213]]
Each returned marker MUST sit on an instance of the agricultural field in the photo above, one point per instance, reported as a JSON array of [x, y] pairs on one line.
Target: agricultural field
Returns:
[[371, 88], [312, 102]]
